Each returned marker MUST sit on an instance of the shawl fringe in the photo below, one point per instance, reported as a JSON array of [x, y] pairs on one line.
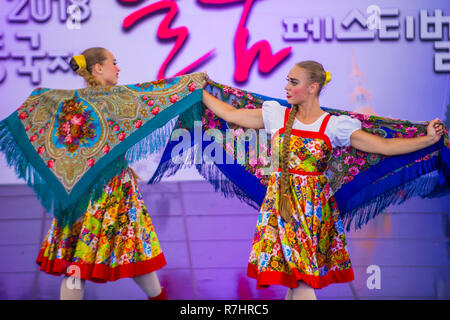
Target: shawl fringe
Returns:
[[221, 183], [65, 215], [425, 179]]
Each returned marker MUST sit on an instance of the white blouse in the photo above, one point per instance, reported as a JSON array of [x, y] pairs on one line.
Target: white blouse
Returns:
[[339, 128]]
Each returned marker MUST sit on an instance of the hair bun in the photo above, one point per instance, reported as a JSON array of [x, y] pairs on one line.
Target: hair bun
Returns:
[[327, 77], [73, 64], [78, 62]]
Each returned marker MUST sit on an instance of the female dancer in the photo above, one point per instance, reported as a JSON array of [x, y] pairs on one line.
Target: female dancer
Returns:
[[115, 238], [299, 241]]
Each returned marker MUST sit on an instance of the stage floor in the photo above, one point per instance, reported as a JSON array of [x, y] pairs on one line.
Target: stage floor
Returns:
[[206, 239]]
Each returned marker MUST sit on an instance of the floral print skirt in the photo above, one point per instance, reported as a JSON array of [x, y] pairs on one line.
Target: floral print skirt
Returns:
[[311, 247], [114, 239]]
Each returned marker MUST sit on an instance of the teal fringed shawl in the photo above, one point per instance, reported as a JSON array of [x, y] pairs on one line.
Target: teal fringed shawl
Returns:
[[67, 144]]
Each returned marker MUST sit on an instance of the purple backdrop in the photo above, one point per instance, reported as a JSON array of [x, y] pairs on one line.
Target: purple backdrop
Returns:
[[391, 60]]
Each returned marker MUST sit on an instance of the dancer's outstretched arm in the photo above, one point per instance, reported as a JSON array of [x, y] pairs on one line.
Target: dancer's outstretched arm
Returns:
[[367, 142]]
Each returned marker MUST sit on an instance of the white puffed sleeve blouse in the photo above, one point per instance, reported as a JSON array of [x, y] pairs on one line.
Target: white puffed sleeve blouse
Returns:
[[339, 128]]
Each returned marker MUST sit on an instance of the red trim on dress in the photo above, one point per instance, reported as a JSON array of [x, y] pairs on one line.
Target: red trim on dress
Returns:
[[323, 126], [306, 133], [286, 116], [322, 129], [101, 273], [267, 278], [309, 134]]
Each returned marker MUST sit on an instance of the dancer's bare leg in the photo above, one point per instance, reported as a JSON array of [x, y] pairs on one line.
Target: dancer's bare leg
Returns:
[[303, 292], [288, 294], [72, 288], [149, 283]]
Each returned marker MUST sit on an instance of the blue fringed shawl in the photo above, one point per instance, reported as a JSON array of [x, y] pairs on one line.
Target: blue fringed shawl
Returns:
[[363, 184]]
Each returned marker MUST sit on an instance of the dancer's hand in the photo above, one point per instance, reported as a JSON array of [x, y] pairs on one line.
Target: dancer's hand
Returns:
[[205, 80], [372, 143], [435, 130]]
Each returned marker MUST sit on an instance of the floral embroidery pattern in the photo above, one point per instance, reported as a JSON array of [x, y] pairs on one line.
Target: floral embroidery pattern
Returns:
[[312, 245], [254, 163], [74, 125]]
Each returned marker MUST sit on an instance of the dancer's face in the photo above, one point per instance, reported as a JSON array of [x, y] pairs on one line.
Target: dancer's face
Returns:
[[298, 89], [108, 71]]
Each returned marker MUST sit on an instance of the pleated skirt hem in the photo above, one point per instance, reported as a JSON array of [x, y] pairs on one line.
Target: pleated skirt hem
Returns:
[[99, 273], [267, 278]]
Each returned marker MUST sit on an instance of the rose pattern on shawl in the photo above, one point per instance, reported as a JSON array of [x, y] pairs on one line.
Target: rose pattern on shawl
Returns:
[[75, 125], [256, 160]]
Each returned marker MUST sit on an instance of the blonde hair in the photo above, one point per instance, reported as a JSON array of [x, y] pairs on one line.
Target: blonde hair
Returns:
[[92, 56], [316, 74]]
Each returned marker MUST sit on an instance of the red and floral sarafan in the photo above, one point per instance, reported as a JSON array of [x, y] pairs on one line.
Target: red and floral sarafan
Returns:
[[312, 246], [114, 239]]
